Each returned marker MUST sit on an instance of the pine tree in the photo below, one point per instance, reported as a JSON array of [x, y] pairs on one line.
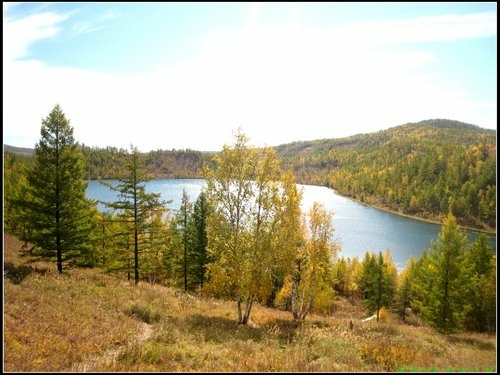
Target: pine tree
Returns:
[[58, 217], [137, 209], [199, 239], [448, 283], [183, 218], [480, 261], [377, 282], [404, 290]]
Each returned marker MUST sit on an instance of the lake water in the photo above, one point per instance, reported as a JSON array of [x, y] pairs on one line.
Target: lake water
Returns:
[[358, 228]]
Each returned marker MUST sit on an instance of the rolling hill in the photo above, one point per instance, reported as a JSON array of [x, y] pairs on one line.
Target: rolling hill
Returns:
[[422, 169]]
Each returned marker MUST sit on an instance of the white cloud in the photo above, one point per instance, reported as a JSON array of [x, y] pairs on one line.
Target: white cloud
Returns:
[[278, 84], [20, 33], [95, 24]]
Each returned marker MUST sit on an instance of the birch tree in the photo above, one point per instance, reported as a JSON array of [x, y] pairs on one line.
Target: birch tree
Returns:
[[251, 208], [312, 281]]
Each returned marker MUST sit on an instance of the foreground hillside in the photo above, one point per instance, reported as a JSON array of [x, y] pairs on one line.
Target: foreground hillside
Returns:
[[85, 320]]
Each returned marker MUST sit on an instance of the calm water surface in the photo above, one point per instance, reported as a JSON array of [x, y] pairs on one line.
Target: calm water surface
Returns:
[[358, 228]]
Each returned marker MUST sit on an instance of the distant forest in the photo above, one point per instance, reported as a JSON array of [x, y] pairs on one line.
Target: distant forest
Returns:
[[103, 163], [424, 169]]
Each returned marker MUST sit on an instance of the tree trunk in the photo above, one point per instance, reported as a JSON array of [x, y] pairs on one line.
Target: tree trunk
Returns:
[[310, 297], [58, 230], [379, 290], [240, 319], [58, 208], [136, 238], [185, 264], [136, 257], [295, 296], [248, 308], [404, 311]]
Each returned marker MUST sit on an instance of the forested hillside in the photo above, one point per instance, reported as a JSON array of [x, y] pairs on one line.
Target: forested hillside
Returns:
[[423, 169]]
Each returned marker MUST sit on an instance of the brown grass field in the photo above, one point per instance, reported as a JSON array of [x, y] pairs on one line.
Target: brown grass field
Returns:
[[85, 320]]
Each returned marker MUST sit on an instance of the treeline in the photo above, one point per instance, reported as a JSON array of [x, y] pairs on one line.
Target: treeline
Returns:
[[452, 285], [425, 169], [109, 162], [245, 237]]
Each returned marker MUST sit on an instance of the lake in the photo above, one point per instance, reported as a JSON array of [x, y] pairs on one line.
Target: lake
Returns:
[[358, 227]]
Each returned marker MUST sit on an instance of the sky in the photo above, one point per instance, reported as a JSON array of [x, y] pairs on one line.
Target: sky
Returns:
[[191, 75]]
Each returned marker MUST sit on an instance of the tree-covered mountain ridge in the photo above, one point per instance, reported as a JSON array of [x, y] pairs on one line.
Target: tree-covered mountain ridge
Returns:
[[422, 169]]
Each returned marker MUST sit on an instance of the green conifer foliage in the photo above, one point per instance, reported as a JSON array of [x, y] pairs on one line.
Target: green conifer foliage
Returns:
[[59, 218], [480, 261], [199, 239], [446, 295], [377, 281], [136, 209]]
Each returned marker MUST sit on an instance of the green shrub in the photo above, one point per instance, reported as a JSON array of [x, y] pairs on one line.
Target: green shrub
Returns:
[[146, 314]]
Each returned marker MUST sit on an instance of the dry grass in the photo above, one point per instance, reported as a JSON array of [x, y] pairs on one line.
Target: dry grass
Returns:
[[88, 321]]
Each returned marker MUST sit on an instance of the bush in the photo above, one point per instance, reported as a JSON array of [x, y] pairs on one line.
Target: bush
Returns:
[[146, 314]]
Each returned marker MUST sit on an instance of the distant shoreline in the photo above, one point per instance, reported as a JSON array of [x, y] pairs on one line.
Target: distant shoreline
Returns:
[[425, 220]]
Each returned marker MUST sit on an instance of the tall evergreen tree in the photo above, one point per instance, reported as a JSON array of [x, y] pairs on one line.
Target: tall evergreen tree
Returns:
[[136, 207], [199, 240], [377, 281], [404, 290], [446, 297], [58, 215], [183, 217], [480, 260]]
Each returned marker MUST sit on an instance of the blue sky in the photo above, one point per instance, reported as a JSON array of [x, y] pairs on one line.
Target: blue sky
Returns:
[[188, 75]]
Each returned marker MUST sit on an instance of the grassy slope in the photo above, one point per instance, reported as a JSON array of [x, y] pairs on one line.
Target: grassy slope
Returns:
[[96, 322]]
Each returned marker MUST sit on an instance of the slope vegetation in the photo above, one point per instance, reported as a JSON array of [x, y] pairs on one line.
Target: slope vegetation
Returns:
[[85, 320]]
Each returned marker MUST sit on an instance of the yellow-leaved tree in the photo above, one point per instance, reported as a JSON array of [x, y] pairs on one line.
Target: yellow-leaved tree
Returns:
[[255, 227], [312, 280]]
